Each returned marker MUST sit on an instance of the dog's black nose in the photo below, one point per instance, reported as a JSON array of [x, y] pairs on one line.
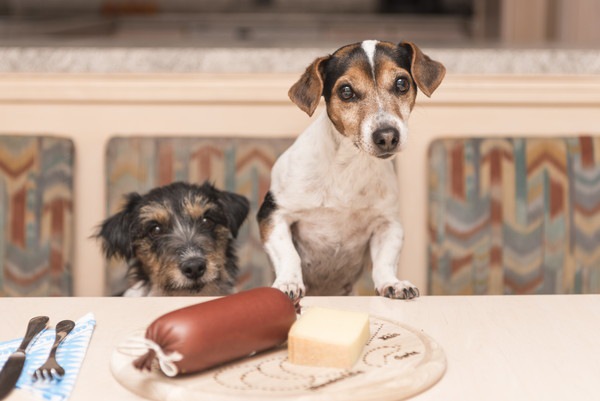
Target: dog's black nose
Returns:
[[193, 268], [386, 139]]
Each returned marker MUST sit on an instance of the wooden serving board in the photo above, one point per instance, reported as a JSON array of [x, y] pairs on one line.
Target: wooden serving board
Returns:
[[397, 362]]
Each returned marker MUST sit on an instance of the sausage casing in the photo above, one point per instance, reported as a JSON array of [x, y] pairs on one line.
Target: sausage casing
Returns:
[[221, 330]]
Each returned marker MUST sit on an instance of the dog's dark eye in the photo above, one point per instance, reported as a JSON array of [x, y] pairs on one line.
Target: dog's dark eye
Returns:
[[346, 93], [402, 85], [154, 230], [207, 223]]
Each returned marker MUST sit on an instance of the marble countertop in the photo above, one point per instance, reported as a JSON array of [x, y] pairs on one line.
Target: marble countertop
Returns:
[[161, 60], [257, 43]]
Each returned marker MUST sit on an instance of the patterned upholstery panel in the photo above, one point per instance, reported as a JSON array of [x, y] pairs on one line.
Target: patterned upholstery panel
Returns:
[[36, 215], [514, 216], [241, 165]]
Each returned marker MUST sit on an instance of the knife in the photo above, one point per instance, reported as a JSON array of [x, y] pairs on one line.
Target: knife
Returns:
[[14, 365]]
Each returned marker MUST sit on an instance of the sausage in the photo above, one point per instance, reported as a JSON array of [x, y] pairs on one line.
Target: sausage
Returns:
[[221, 330]]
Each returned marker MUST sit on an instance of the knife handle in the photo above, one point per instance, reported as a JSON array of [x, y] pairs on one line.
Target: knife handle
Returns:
[[34, 326]]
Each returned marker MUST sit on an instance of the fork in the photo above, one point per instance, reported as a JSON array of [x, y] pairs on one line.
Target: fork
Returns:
[[51, 369]]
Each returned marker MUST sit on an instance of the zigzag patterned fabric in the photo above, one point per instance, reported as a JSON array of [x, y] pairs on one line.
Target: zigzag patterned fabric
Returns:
[[138, 164], [36, 215], [514, 216]]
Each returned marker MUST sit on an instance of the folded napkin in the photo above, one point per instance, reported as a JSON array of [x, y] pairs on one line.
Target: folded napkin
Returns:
[[69, 355]]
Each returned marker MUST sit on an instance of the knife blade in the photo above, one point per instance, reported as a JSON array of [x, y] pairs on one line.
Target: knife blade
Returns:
[[14, 364]]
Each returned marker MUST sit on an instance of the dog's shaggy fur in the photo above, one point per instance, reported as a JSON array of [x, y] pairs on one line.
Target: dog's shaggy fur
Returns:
[[177, 239], [332, 208]]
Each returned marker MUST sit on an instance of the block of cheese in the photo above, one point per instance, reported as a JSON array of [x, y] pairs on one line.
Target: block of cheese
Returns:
[[328, 338]]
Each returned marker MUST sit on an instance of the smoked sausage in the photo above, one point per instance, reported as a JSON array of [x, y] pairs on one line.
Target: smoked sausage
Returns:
[[220, 330]]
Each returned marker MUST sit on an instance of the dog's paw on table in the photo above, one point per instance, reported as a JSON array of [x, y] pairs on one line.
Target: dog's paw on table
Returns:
[[398, 290]]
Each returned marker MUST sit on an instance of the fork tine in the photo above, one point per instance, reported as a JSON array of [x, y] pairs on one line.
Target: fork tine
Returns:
[[38, 375], [58, 372]]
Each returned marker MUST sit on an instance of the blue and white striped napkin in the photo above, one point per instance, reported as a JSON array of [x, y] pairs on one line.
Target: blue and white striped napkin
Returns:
[[69, 355]]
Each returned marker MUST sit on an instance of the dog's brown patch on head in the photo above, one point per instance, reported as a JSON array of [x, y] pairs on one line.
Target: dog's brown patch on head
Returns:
[[347, 115], [159, 212], [387, 72], [195, 206]]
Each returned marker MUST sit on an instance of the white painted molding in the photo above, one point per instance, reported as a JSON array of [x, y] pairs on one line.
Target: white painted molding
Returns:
[[272, 89]]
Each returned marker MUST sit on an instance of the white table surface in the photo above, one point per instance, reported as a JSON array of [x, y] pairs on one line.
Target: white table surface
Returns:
[[497, 347]]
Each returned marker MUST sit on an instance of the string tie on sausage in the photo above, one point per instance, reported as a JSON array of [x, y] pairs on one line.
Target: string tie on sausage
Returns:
[[147, 350]]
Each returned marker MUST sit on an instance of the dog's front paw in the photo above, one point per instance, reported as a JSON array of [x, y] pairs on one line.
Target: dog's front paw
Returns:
[[292, 289], [398, 290]]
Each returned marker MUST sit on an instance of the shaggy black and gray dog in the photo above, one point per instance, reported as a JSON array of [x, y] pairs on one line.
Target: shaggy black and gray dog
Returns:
[[177, 239]]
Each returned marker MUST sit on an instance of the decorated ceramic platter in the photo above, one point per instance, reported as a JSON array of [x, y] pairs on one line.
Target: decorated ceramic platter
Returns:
[[397, 362]]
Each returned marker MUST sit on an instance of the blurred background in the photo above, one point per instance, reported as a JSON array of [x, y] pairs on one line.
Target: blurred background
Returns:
[[98, 98], [304, 23]]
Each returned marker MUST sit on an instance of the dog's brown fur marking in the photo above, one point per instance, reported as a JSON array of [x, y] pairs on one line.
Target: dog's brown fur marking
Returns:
[[195, 207], [347, 115], [427, 73], [307, 91], [159, 212], [265, 225]]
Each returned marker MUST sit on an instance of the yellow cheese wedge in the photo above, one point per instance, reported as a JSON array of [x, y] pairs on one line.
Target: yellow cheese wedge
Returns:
[[328, 338]]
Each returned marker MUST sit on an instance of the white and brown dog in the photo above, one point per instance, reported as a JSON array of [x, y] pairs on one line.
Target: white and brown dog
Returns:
[[333, 203]]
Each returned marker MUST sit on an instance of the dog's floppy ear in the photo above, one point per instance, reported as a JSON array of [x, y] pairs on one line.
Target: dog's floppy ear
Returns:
[[236, 209], [115, 231], [307, 92], [427, 73]]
